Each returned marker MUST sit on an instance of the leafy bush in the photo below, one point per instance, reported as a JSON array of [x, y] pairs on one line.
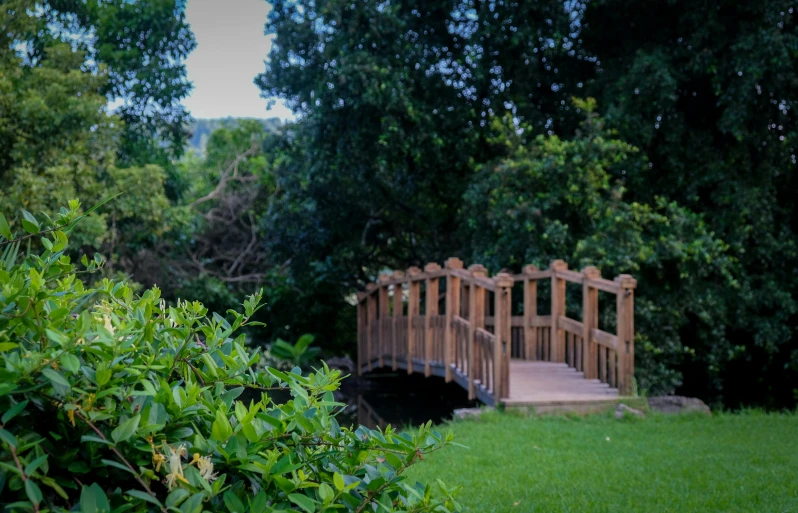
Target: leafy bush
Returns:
[[115, 402]]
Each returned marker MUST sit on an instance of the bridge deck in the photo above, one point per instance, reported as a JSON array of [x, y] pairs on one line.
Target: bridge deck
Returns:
[[539, 383], [532, 383]]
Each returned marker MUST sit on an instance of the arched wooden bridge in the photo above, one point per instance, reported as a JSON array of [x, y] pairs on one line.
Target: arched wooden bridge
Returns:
[[469, 333]]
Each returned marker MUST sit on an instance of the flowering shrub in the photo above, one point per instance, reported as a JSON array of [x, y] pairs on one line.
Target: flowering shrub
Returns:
[[114, 402]]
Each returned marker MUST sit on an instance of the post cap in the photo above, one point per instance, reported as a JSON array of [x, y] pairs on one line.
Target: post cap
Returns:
[[478, 270], [530, 269], [361, 296], [412, 271], [591, 272], [558, 265], [503, 280], [398, 274], [453, 263], [432, 266], [370, 286], [383, 278], [626, 281]]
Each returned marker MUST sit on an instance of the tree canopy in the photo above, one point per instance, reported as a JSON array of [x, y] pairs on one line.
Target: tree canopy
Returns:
[[388, 164]]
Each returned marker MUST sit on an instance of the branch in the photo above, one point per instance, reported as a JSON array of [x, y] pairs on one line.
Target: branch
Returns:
[[19, 466], [225, 177], [118, 455]]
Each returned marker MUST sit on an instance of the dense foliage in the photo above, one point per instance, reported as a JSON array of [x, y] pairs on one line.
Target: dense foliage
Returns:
[[398, 102], [549, 198], [114, 401]]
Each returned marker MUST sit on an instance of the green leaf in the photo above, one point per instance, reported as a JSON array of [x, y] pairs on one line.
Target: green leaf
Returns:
[[92, 438], [5, 230], [34, 465], [221, 429], [233, 503], [325, 492], [303, 502], [193, 504], [176, 497], [138, 494], [7, 388], [112, 463], [70, 362], [33, 491], [94, 500], [7, 346], [14, 411], [258, 503], [126, 429], [8, 438], [29, 223], [55, 377], [338, 481]]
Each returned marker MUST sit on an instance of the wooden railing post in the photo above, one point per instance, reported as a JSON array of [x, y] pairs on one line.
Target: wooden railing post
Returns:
[[362, 332], [384, 310], [530, 311], [452, 309], [371, 316], [476, 318], [502, 327], [396, 319], [413, 310], [589, 322], [626, 332], [557, 309], [431, 302]]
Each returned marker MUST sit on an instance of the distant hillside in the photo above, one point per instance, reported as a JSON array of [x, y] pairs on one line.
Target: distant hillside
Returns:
[[201, 129]]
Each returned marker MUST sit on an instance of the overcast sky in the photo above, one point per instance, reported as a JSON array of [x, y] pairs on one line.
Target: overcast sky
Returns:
[[231, 48]]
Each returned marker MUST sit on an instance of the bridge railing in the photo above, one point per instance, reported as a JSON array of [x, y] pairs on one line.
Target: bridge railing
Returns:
[[460, 337]]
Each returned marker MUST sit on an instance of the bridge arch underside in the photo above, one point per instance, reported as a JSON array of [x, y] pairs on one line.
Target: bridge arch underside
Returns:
[[461, 325]]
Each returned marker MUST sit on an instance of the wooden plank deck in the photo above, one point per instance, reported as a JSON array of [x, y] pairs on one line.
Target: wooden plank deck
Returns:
[[547, 384], [532, 383]]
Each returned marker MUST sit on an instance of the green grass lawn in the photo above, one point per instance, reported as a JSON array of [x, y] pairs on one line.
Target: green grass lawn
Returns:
[[729, 462]]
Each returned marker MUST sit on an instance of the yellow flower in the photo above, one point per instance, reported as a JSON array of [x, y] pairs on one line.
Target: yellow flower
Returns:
[[107, 324], [175, 466], [157, 460], [173, 479], [205, 466], [71, 415]]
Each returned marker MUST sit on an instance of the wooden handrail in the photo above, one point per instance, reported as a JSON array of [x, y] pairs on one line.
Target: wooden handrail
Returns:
[[446, 341]]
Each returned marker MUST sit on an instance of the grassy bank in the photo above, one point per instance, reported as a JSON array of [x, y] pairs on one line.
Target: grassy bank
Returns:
[[730, 462]]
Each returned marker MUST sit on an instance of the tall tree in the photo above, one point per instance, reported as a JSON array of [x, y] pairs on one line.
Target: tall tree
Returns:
[[395, 101], [138, 45]]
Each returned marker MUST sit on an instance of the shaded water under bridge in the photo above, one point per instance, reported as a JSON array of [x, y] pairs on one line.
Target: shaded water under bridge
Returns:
[[490, 337]]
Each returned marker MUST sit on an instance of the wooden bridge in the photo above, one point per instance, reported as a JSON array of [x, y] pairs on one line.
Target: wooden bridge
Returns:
[[469, 333]]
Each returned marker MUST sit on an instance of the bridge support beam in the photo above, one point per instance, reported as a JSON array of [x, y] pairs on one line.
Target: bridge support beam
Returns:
[[396, 319], [557, 309], [384, 309], [476, 319], [589, 322], [430, 314], [452, 309], [413, 311], [625, 304], [530, 311], [501, 346], [371, 321]]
